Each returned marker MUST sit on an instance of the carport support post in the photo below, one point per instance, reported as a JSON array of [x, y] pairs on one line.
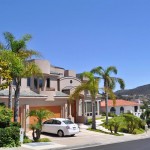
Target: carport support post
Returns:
[[83, 112], [27, 119], [69, 115]]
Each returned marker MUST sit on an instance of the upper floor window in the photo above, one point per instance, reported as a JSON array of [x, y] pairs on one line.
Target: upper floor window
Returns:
[[28, 81], [48, 83]]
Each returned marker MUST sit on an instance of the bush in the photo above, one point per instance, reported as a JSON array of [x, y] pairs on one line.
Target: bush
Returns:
[[111, 114], [115, 123], [5, 116], [27, 141], [9, 137], [148, 122], [43, 140], [15, 124], [132, 122], [103, 113]]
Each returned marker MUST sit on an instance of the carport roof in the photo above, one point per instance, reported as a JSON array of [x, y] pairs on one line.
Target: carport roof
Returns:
[[23, 93], [68, 87], [60, 94]]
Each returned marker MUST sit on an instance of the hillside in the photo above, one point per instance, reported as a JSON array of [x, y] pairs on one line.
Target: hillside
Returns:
[[141, 90]]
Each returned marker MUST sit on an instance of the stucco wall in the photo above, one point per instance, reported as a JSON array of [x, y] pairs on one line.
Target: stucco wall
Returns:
[[126, 109], [66, 81], [44, 65]]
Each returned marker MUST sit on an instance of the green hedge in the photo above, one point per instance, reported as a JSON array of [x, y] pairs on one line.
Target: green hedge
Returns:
[[9, 137]]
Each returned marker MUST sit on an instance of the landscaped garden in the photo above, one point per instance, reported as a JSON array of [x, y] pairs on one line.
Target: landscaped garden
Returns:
[[125, 123]]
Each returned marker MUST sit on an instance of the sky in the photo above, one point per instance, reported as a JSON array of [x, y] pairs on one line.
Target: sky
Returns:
[[82, 34]]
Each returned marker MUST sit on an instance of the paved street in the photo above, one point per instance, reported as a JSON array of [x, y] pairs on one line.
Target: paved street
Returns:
[[143, 144]]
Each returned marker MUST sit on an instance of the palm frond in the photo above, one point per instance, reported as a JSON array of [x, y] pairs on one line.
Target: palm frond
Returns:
[[98, 70], [9, 39], [26, 37], [111, 69]]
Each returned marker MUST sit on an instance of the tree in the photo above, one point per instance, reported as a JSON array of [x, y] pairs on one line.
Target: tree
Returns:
[[92, 85], [109, 82], [15, 67], [40, 115], [19, 47], [4, 74]]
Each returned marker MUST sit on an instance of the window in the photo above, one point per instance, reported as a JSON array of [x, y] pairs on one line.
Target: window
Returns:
[[56, 122], [35, 83], [68, 122], [28, 81], [48, 122], [48, 83], [89, 107], [113, 110], [121, 110], [40, 83], [71, 81]]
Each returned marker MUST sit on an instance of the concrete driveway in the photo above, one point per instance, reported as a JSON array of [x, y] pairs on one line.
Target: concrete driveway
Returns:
[[87, 138]]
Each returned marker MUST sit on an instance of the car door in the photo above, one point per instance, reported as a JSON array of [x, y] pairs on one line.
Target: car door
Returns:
[[56, 126], [48, 126]]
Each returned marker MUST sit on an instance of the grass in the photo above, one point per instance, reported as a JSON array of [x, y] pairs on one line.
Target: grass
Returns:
[[98, 130], [101, 118]]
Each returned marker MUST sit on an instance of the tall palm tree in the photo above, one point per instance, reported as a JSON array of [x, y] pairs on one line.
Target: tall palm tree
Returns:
[[109, 82], [19, 47], [92, 85]]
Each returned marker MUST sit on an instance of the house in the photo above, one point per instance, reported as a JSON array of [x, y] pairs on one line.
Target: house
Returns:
[[52, 92], [121, 106]]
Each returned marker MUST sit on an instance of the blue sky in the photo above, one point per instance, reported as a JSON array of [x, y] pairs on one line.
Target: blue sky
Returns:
[[83, 34]]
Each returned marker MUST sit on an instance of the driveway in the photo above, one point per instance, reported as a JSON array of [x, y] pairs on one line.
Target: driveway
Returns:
[[87, 138]]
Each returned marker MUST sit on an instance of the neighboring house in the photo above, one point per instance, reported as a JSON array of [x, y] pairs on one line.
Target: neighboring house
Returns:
[[121, 106], [52, 92]]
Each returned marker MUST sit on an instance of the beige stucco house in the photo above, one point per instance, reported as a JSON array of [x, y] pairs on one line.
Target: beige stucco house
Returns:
[[52, 93]]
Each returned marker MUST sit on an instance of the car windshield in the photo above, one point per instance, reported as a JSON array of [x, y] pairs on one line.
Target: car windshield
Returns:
[[68, 122]]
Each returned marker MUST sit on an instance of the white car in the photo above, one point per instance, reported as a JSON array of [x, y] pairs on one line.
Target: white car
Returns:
[[60, 126]]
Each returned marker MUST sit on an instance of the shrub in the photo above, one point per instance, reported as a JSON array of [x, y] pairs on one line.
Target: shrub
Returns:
[[5, 116], [9, 137], [103, 113], [111, 114], [43, 140], [115, 123], [15, 124], [148, 122], [27, 140], [132, 122]]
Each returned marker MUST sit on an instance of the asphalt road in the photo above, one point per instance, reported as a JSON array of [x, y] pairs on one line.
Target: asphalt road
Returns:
[[143, 144]]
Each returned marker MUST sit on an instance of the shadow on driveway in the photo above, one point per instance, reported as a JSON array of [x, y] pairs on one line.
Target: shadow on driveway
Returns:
[[56, 136]]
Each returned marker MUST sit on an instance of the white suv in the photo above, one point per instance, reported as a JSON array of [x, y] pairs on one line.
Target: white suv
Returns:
[[60, 126]]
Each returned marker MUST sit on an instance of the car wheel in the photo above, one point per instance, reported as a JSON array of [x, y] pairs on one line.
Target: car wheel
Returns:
[[60, 133], [73, 135]]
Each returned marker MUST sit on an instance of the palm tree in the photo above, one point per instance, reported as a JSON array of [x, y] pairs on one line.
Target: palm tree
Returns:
[[109, 82], [92, 85], [19, 47], [40, 115]]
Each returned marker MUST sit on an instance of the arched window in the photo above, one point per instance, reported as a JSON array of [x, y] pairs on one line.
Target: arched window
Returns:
[[113, 110], [121, 110]]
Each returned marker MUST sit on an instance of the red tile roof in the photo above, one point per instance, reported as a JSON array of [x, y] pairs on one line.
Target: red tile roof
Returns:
[[119, 102]]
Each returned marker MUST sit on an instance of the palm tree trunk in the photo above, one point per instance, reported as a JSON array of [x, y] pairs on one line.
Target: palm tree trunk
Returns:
[[16, 104], [106, 104], [10, 96], [93, 115]]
